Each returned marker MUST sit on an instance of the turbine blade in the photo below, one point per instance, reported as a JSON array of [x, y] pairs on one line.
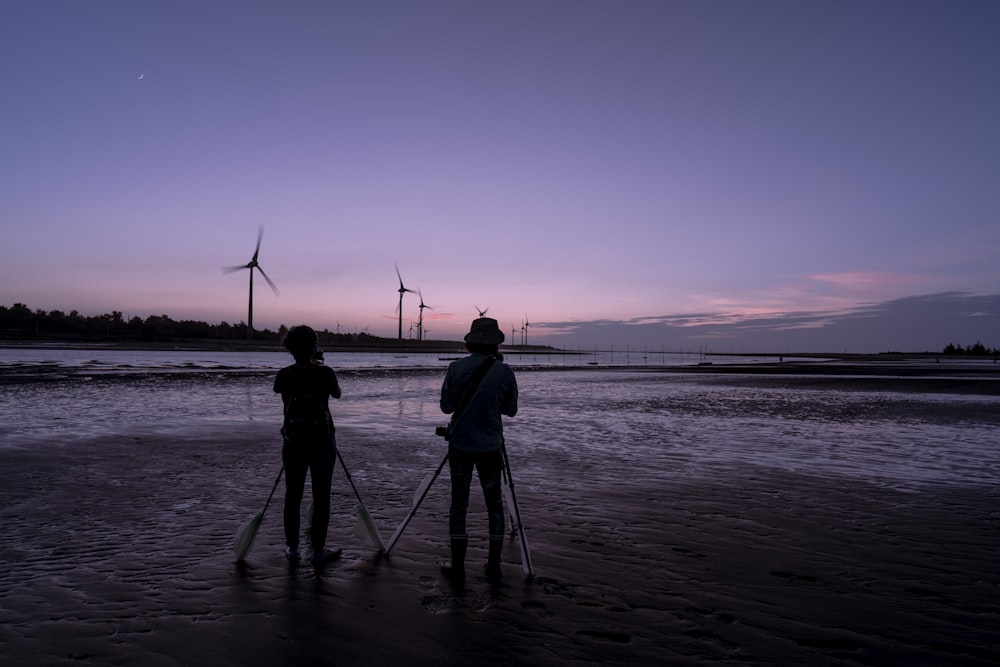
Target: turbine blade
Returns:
[[230, 269], [260, 235], [402, 288], [274, 287]]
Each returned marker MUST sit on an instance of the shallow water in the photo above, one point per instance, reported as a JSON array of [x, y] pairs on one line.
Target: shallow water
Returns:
[[655, 425], [99, 359]]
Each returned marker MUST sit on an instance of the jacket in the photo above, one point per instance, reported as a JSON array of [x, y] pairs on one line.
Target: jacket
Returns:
[[479, 428]]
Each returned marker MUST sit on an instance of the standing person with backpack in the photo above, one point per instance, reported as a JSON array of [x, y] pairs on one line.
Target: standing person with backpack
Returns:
[[309, 440], [478, 390]]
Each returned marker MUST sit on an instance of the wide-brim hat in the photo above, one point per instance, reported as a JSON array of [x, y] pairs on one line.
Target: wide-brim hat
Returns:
[[484, 331]]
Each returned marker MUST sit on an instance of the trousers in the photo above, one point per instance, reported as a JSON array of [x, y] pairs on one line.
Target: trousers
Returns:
[[489, 465], [317, 459]]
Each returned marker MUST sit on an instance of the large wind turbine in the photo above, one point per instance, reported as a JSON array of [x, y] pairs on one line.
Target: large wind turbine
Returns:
[[526, 325], [252, 264], [482, 313], [420, 320], [402, 290]]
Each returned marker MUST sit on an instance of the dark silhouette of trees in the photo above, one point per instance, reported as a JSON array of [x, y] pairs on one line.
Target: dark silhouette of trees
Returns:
[[976, 350], [20, 322]]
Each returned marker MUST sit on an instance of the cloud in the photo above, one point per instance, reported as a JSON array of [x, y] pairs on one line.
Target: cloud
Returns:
[[859, 280], [912, 324]]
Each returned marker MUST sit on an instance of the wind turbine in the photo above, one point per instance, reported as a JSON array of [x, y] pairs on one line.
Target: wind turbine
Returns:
[[482, 313], [402, 290], [512, 332], [526, 325], [252, 264], [420, 320]]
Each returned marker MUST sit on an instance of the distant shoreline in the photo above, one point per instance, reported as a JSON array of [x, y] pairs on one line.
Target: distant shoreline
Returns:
[[447, 346], [235, 345]]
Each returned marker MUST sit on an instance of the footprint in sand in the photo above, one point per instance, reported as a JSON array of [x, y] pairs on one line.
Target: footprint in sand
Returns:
[[537, 607], [607, 635], [439, 604], [688, 552], [791, 576], [710, 637], [721, 617]]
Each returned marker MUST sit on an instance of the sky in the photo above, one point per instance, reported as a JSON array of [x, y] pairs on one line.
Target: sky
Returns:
[[739, 175]]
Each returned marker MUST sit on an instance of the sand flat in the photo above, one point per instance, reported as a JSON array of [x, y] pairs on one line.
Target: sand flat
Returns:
[[731, 537]]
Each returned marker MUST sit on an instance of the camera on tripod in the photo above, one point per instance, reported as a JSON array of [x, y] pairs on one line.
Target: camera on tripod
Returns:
[[443, 431]]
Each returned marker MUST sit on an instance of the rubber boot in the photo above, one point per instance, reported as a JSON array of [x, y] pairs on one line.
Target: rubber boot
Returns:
[[493, 559], [455, 569]]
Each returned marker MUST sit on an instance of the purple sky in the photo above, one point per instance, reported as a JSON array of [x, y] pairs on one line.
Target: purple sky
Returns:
[[764, 174]]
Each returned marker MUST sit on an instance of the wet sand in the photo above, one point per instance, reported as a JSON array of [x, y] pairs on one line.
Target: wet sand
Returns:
[[118, 551]]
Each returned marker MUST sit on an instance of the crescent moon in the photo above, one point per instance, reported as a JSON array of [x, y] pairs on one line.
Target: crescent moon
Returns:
[[140, 76]]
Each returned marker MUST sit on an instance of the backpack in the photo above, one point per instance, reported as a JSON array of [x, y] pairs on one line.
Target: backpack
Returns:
[[307, 417]]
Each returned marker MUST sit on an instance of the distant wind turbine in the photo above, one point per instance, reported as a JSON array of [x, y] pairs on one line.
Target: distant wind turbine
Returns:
[[420, 320], [526, 325], [402, 290], [252, 264], [482, 313]]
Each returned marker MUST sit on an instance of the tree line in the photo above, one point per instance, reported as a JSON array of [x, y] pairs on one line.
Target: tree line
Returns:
[[21, 322], [975, 350]]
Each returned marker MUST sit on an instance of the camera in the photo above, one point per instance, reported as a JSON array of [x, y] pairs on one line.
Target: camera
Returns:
[[318, 356], [443, 431]]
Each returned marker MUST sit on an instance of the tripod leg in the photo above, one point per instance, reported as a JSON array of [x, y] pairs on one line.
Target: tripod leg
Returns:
[[366, 517], [525, 551], [508, 502], [417, 499]]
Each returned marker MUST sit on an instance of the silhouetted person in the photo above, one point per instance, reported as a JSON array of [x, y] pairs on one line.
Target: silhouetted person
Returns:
[[476, 436], [309, 440]]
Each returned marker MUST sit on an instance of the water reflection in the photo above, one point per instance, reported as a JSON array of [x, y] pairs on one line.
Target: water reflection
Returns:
[[654, 424]]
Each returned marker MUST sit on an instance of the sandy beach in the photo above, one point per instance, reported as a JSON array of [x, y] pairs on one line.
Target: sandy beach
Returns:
[[117, 550]]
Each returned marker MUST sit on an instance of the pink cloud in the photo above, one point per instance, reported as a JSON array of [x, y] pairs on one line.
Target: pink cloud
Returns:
[[876, 284]]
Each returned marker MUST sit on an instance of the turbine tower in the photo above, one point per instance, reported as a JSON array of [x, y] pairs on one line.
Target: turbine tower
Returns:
[[402, 290], [526, 325], [252, 264]]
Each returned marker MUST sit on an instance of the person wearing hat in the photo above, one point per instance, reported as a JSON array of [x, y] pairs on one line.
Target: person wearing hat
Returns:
[[476, 437]]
